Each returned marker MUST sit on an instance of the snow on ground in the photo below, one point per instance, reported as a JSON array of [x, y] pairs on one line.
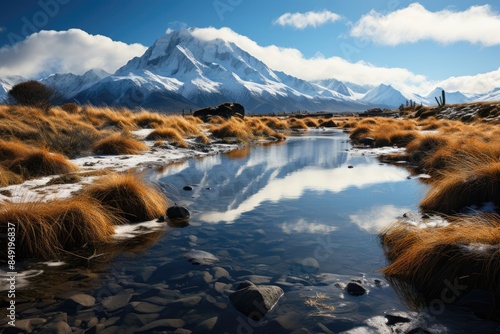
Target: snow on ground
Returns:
[[41, 189]]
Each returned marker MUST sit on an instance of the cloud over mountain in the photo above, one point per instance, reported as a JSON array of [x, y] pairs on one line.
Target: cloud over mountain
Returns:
[[308, 19], [73, 51], [476, 25]]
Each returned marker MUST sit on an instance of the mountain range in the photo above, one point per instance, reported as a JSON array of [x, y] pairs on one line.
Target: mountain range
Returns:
[[182, 72]]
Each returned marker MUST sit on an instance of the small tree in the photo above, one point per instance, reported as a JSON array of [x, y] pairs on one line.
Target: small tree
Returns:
[[32, 93]]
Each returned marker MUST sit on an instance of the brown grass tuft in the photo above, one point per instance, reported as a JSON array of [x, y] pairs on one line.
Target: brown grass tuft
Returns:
[[44, 229], [131, 196], [118, 144], [167, 133], [423, 262], [39, 163], [232, 129]]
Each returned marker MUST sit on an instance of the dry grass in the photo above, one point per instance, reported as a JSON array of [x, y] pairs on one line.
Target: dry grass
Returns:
[[426, 261], [132, 197], [297, 124], [44, 229], [232, 129], [118, 144], [471, 180], [169, 134], [8, 177], [41, 162], [275, 123], [328, 123]]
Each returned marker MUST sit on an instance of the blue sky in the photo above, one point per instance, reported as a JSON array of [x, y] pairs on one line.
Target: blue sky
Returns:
[[396, 39]]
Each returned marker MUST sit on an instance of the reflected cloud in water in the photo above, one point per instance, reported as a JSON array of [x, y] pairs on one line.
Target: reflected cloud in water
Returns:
[[303, 226], [377, 217], [293, 186]]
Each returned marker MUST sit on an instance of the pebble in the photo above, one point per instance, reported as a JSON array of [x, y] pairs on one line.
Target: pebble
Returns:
[[219, 272], [206, 326], [80, 300], [355, 289], [199, 257], [116, 302], [144, 307], [161, 325]]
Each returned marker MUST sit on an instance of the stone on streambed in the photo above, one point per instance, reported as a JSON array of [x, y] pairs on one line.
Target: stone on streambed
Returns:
[[79, 300], [355, 289], [199, 257], [116, 302], [255, 301], [178, 212], [162, 325]]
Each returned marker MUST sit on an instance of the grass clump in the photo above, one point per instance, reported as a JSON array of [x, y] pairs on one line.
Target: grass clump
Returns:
[[44, 230], [424, 261], [169, 134], [39, 162], [129, 195], [118, 144]]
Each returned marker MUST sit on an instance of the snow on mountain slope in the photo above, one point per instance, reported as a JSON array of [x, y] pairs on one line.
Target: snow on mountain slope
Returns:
[[451, 97], [384, 96], [7, 83], [493, 95], [68, 85], [201, 73]]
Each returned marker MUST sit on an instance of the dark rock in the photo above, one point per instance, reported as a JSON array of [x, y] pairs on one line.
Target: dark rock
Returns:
[[178, 212], [206, 326], [355, 289], [187, 302], [368, 141], [350, 166], [255, 301], [116, 302], [225, 110], [80, 300], [395, 319], [418, 330], [161, 325], [199, 257], [188, 188], [143, 307], [59, 327]]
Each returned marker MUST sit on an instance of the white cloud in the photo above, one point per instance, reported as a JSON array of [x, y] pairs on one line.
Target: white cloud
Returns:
[[480, 83], [314, 68], [72, 51], [303, 226], [309, 19], [476, 25]]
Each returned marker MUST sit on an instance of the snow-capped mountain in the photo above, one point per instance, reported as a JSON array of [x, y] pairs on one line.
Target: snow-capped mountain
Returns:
[[384, 96], [451, 97], [69, 85], [182, 71], [6, 84], [493, 95]]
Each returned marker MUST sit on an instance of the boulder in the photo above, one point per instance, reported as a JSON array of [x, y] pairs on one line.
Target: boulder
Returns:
[[178, 212], [355, 289], [225, 110], [255, 301]]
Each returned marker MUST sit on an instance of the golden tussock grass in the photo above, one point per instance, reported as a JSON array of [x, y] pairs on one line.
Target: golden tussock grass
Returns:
[[275, 123], [401, 138], [11, 150], [297, 124], [203, 139], [183, 125], [132, 197], [44, 229], [426, 261], [118, 144], [8, 177], [232, 129], [169, 134], [464, 184], [40, 162], [328, 123], [311, 122], [360, 132]]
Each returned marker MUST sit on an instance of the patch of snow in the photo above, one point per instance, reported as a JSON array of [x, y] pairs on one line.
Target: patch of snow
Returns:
[[128, 231]]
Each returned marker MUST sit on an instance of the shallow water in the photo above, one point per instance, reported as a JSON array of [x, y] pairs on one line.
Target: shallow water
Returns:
[[303, 214]]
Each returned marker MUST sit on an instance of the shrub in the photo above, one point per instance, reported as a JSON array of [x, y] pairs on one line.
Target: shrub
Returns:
[[129, 195], [32, 93], [118, 144]]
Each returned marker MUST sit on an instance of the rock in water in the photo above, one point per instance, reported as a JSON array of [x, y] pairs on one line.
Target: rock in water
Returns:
[[200, 257], [178, 212], [255, 301], [355, 289]]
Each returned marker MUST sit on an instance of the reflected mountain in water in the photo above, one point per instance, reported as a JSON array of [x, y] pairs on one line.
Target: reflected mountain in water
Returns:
[[315, 163]]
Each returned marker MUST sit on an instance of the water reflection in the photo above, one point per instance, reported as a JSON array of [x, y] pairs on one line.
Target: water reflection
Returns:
[[293, 186], [376, 218], [303, 226]]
